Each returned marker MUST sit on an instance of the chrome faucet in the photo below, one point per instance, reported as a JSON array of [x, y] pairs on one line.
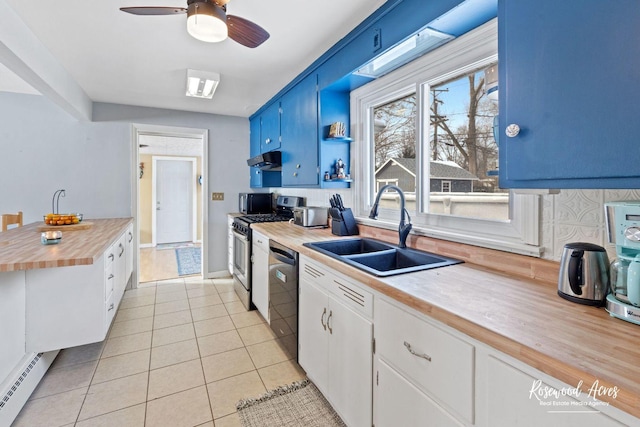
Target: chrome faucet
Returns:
[[403, 230]]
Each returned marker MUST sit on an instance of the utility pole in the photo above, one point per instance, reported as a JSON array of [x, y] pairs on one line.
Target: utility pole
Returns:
[[436, 119]]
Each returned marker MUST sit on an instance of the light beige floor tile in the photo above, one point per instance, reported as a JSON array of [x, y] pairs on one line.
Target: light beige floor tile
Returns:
[[235, 307], [207, 424], [172, 319], [127, 417], [267, 353], [114, 395], [56, 410], [139, 292], [232, 420], [130, 327], [65, 379], [175, 378], [213, 326], [247, 318], [219, 343], [174, 353], [208, 312], [111, 368], [185, 409], [171, 285], [229, 297], [202, 291], [256, 334], [225, 393], [134, 313], [281, 373], [81, 354], [172, 306], [223, 285], [127, 344], [173, 334], [205, 301], [170, 296], [228, 364], [137, 301]]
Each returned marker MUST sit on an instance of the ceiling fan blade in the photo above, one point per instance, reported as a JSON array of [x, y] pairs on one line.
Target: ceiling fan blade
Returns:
[[246, 32], [150, 10]]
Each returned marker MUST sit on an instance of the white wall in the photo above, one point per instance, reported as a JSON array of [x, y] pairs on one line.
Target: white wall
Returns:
[[43, 149]]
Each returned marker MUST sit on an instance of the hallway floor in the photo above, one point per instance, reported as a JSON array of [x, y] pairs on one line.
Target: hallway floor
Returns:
[[180, 352], [158, 264]]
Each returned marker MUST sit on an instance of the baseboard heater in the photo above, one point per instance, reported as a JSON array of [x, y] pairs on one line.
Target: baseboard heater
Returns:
[[21, 382]]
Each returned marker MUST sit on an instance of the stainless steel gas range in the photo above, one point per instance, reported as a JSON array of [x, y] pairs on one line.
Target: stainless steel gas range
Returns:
[[242, 243]]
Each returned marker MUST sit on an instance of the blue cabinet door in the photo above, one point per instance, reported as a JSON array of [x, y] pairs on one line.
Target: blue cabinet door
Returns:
[[270, 128], [255, 180], [300, 134], [570, 79]]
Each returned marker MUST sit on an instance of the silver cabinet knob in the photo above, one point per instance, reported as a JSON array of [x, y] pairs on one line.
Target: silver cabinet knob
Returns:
[[298, 166], [257, 172], [512, 130], [267, 141]]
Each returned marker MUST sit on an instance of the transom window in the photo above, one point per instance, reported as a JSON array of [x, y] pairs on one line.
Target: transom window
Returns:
[[428, 128]]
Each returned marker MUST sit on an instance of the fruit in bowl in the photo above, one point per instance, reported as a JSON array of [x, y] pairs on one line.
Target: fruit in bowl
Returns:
[[62, 219]]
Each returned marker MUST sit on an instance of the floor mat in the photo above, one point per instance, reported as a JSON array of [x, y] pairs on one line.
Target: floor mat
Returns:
[[297, 405], [189, 260]]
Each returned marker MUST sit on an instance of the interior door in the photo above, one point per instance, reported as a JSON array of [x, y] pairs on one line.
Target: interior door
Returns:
[[174, 201]]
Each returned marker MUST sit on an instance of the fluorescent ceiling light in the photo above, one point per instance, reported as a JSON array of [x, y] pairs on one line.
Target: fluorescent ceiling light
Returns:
[[207, 22], [418, 44], [201, 84]]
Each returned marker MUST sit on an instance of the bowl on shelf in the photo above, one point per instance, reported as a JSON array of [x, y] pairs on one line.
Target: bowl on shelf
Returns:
[[62, 219]]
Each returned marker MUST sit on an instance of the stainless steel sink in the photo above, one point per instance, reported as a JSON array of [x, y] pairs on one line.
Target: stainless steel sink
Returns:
[[380, 258]]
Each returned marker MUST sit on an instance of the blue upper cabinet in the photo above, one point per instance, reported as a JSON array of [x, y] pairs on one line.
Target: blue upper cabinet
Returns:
[[270, 128], [299, 130], [570, 79]]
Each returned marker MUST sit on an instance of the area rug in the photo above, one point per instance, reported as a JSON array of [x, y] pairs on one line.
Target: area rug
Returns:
[[296, 405], [188, 261]]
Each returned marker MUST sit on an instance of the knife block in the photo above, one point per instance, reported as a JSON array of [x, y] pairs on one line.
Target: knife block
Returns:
[[343, 223]]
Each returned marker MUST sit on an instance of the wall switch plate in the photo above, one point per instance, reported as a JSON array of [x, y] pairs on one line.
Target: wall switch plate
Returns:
[[377, 39], [217, 196]]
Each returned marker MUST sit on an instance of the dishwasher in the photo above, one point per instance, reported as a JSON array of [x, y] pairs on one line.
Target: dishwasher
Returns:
[[283, 296]]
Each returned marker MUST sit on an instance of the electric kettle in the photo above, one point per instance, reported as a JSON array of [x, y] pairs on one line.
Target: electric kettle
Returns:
[[584, 274]]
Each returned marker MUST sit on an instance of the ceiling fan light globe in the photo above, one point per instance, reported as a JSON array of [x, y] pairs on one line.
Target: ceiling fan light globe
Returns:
[[207, 22]]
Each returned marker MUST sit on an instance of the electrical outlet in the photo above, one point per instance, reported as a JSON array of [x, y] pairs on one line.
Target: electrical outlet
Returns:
[[217, 196]]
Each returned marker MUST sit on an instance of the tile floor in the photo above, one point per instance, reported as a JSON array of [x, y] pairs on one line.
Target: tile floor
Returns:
[[158, 264], [180, 352]]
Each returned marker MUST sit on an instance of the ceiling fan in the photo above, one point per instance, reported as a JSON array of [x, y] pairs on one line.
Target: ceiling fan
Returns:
[[207, 20]]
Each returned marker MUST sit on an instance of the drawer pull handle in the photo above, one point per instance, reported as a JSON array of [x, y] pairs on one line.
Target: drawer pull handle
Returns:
[[324, 313], [110, 277], [121, 250], [130, 237], [112, 257], [110, 307], [329, 320], [412, 351]]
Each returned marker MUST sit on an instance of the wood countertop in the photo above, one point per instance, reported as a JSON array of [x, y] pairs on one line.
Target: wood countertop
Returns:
[[515, 314], [20, 248]]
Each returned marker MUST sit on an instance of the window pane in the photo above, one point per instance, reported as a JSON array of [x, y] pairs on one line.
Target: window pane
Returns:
[[463, 152], [395, 151]]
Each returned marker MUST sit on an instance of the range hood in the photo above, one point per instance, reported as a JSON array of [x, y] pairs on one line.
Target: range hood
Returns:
[[271, 160]]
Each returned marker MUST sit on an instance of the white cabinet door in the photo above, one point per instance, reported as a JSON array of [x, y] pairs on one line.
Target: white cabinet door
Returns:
[[350, 363], [129, 249], [510, 401], [119, 269], [397, 402], [313, 337], [260, 274]]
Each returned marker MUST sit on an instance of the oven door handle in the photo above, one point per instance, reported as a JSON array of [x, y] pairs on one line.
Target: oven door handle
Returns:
[[240, 236]]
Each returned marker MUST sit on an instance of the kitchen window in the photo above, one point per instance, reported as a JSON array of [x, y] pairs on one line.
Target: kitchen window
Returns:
[[428, 128]]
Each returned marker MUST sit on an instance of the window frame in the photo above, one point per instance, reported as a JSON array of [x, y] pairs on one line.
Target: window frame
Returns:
[[472, 51]]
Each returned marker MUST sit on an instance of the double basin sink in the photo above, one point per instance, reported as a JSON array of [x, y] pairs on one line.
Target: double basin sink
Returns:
[[380, 258]]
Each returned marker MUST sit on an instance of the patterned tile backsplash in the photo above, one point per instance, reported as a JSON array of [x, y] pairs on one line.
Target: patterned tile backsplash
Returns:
[[569, 216]]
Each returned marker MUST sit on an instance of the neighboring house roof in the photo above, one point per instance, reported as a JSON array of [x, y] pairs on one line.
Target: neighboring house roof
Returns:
[[438, 169]]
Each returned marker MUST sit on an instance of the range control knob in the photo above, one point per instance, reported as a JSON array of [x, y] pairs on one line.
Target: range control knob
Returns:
[[632, 234]]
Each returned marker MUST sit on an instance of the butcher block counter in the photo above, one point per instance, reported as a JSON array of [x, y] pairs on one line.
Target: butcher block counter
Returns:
[[518, 313], [20, 248]]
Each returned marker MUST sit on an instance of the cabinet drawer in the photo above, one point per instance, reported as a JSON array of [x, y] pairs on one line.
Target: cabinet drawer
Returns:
[[432, 359], [348, 292], [260, 241]]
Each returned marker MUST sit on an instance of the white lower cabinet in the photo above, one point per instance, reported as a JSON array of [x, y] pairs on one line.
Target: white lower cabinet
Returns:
[[335, 341], [130, 248], [434, 362], [260, 273], [399, 403]]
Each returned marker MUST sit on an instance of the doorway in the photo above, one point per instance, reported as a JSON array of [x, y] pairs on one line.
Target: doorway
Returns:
[[169, 202]]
